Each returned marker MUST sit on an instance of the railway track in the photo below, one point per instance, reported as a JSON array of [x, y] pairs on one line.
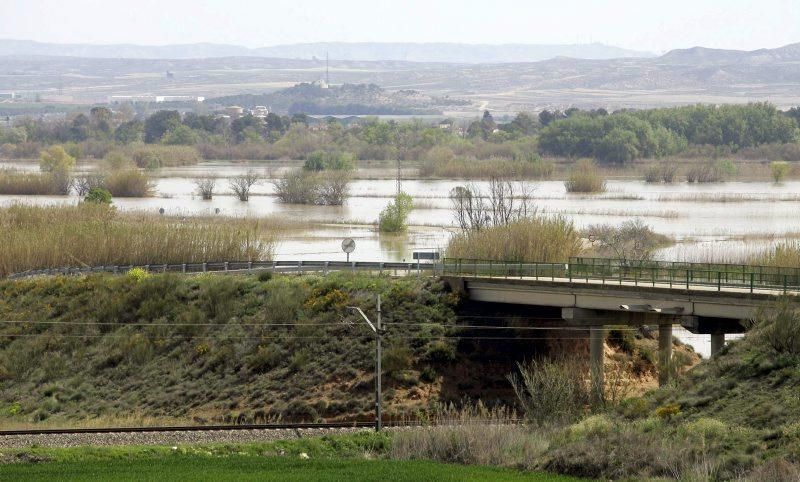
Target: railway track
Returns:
[[198, 428]]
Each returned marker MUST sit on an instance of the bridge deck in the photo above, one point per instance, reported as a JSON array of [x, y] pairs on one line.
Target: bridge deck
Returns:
[[683, 277]]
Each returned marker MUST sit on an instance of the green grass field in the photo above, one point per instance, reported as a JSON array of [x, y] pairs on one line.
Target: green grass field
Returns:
[[242, 468]]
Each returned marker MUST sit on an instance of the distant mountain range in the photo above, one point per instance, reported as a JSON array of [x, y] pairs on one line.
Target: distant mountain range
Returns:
[[366, 51], [678, 77]]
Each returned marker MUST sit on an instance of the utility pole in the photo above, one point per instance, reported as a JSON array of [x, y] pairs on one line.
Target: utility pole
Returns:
[[378, 330], [399, 177]]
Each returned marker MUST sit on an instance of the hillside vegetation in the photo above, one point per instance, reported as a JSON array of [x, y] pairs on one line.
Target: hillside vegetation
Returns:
[[213, 347]]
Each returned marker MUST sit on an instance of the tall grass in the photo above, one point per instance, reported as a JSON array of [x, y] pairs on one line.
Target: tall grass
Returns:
[[155, 156], [27, 184], [785, 255], [89, 234], [533, 239], [585, 177], [473, 436], [128, 183], [464, 168]]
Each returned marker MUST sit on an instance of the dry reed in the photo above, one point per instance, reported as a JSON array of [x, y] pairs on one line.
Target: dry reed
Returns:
[[90, 235], [544, 239]]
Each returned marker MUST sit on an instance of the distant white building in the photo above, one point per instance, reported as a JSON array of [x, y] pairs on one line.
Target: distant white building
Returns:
[[260, 111], [234, 111], [157, 99]]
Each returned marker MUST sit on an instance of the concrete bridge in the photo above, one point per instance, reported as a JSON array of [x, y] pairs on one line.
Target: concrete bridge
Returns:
[[713, 299], [593, 293]]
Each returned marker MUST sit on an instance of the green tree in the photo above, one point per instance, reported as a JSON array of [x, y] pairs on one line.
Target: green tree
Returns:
[[159, 124], [394, 217], [55, 159], [129, 132], [181, 136]]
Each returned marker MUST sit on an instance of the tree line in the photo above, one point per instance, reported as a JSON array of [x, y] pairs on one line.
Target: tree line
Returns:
[[608, 137]]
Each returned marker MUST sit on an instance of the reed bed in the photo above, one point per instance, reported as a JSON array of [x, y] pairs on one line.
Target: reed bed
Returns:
[[723, 197], [128, 183], [585, 177], [36, 237], [463, 168], [544, 239], [14, 183], [786, 254]]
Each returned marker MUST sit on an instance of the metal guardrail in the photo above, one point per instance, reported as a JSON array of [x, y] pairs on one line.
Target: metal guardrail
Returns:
[[243, 266], [663, 274]]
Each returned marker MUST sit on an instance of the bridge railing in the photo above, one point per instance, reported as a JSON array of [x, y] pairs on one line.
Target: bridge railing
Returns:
[[661, 274], [243, 266]]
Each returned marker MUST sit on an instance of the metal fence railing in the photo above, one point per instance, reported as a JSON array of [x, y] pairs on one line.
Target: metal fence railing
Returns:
[[244, 266], [610, 271]]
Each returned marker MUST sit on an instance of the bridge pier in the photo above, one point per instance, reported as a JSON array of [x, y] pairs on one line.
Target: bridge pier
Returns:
[[664, 352], [597, 335], [717, 342], [596, 321]]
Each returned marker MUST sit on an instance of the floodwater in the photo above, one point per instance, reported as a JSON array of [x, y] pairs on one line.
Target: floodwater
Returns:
[[724, 221]]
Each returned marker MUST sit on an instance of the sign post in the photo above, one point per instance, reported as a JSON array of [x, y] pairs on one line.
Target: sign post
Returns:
[[348, 246]]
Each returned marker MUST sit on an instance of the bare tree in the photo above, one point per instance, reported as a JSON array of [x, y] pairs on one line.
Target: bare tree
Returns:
[[205, 187], [84, 184], [505, 203], [241, 185], [631, 242], [333, 190]]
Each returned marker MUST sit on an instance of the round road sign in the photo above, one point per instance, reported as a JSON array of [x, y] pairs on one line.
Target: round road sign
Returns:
[[348, 245]]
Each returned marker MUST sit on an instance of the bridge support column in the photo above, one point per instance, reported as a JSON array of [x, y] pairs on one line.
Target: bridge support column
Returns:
[[664, 352], [596, 339], [717, 342]]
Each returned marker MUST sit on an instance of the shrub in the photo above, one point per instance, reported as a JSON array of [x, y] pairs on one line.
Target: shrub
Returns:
[[138, 274], [86, 183], [779, 170], [662, 172], [396, 359], [393, 217], [779, 328], [56, 159], [329, 161], [154, 156], [205, 187], [711, 171], [306, 187], [668, 411], [116, 160], [585, 177], [631, 242], [552, 391], [128, 183], [98, 195], [241, 185]]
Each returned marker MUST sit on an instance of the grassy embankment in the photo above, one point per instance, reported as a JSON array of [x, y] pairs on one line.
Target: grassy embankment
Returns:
[[210, 347], [132, 350], [92, 235], [362, 456]]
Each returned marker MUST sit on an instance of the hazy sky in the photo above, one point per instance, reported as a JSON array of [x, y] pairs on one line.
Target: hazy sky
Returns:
[[637, 24]]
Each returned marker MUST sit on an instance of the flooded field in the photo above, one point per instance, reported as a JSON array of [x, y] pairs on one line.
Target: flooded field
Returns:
[[727, 220], [722, 221]]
